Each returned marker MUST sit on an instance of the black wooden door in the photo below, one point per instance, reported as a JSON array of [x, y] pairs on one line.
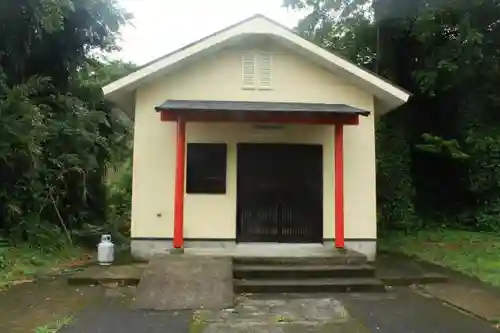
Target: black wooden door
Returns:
[[280, 191]]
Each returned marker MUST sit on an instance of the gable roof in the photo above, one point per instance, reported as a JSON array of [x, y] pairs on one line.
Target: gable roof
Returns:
[[390, 95]]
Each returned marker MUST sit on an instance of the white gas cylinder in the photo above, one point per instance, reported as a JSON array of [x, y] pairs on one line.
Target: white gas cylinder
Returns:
[[105, 251]]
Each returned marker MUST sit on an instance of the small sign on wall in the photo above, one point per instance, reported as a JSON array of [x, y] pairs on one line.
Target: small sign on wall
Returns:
[[268, 127], [267, 131]]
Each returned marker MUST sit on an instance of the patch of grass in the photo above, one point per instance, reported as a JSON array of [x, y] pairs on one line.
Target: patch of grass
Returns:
[[197, 324], [22, 263], [282, 319], [472, 253], [54, 327]]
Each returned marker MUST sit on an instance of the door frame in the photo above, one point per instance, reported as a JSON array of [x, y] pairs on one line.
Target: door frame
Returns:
[[320, 235]]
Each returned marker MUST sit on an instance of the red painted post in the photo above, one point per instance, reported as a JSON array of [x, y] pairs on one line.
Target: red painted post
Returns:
[[339, 186], [179, 184]]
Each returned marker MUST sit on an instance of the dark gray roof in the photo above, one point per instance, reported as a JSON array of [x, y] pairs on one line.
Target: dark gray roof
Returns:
[[199, 105]]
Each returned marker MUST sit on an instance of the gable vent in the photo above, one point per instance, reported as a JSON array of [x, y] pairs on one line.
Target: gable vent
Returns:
[[248, 71], [257, 71], [264, 66]]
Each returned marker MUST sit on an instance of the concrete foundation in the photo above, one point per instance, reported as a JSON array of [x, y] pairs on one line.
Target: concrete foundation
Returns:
[[146, 249]]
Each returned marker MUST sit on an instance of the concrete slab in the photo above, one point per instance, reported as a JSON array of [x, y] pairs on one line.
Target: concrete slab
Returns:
[[120, 274], [295, 315], [182, 282], [479, 302], [407, 280], [396, 270], [404, 311], [112, 316]]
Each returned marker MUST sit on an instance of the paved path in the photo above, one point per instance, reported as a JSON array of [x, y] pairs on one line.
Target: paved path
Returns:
[[464, 292], [479, 301], [114, 313], [399, 311], [281, 315], [27, 306], [404, 311], [111, 319]]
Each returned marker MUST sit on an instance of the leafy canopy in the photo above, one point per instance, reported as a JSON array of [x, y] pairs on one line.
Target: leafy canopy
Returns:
[[438, 157], [56, 131]]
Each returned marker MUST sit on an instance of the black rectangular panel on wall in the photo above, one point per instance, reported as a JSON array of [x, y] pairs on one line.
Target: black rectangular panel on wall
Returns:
[[206, 168]]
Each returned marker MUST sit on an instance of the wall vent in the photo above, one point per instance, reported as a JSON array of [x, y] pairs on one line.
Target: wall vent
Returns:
[[257, 71], [248, 65]]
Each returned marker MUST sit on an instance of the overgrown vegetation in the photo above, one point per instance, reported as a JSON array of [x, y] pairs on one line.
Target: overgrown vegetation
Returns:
[[472, 253], [24, 263], [438, 156], [54, 327], [58, 136]]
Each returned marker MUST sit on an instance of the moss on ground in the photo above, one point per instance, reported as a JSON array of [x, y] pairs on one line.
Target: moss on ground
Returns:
[[54, 327], [197, 324], [472, 253], [282, 319]]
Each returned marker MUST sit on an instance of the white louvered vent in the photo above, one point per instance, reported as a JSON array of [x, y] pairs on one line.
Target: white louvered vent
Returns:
[[248, 71], [265, 71], [256, 71]]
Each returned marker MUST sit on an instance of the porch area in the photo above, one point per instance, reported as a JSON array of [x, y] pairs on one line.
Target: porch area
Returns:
[[276, 250], [272, 203], [248, 268]]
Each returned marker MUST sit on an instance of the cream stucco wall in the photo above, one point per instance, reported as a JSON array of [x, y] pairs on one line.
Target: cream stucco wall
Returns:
[[218, 77]]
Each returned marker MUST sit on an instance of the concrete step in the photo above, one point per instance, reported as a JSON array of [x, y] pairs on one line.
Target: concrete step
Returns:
[[285, 272], [120, 274], [309, 285], [348, 259]]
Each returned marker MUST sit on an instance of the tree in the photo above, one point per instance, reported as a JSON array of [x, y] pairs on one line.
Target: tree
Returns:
[[445, 53], [343, 26], [56, 132]]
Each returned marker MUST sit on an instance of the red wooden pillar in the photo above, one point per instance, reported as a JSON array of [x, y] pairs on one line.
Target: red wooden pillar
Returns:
[[180, 161], [339, 186]]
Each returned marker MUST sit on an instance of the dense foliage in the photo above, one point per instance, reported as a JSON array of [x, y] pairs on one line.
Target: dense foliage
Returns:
[[57, 134], [65, 155], [438, 156]]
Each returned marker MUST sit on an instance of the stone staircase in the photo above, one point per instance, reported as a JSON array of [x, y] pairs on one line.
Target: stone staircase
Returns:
[[339, 273]]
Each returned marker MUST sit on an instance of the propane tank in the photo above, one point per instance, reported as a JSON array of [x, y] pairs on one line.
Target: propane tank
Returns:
[[105, 250]]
